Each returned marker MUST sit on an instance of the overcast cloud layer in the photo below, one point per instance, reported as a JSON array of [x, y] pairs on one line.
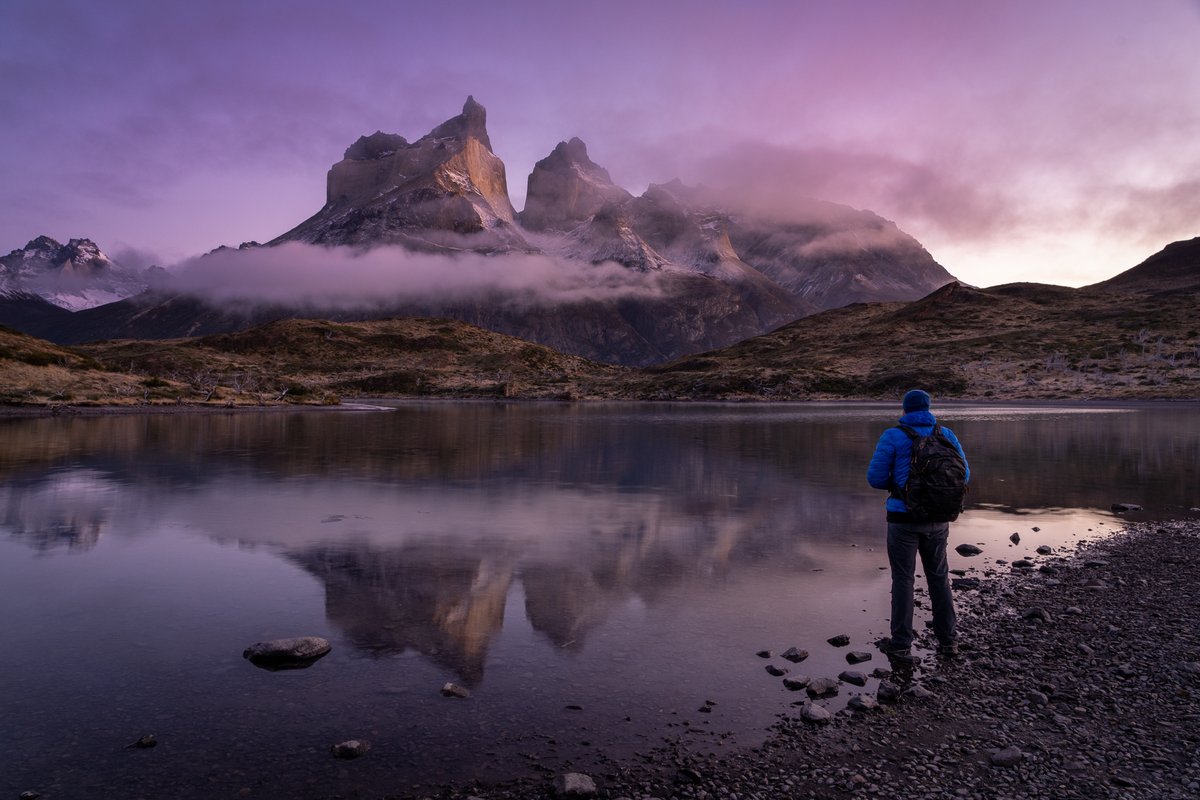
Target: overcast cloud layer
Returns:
[[1018, 141]]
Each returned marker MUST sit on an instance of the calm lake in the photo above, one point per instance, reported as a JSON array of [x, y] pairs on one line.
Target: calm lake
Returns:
[[594, 574]]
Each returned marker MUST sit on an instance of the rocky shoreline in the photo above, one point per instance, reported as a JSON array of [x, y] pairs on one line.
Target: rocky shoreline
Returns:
[[1080, 679]]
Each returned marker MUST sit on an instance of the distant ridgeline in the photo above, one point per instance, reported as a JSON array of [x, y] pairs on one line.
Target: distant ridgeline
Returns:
[[719, 274]]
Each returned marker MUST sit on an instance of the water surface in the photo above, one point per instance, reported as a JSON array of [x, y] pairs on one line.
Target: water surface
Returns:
[[593, 573]]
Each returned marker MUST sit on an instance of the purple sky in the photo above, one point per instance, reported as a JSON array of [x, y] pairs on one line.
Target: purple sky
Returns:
[[1049, 141]]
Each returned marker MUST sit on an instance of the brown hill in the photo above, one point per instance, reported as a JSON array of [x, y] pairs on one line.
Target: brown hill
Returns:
[[1016, 341], [317, 360], [1174, 268]]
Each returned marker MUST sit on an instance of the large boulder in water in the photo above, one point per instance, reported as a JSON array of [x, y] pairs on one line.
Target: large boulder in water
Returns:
[[295, 653]]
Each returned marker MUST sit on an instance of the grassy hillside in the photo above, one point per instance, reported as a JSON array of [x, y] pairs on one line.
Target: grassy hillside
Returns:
[[1016, 341], [319, 361]]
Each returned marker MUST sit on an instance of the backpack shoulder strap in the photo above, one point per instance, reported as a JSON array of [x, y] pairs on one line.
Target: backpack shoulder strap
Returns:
[[912, 434]]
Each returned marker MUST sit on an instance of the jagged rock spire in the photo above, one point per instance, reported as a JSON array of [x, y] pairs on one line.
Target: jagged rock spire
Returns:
[[566, 188]]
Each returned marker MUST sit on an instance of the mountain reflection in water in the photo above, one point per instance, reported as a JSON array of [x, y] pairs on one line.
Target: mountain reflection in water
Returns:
[[628, 559]]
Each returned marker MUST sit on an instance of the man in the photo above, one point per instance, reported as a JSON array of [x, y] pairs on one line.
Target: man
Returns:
[[916, 531]]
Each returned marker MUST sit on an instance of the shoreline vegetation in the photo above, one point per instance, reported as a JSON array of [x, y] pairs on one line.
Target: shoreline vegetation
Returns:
[[1077, 679]]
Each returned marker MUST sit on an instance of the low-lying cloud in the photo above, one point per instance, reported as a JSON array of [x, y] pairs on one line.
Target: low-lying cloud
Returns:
[[295, 274]]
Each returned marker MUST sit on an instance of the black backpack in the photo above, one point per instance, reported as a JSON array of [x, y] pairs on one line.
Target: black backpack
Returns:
[[937, 477]]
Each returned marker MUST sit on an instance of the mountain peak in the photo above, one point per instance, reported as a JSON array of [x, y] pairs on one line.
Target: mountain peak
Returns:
[[387, 190], [566, 188], [470, 124]]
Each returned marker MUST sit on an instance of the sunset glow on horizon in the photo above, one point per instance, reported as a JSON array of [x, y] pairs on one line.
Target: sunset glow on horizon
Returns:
[[1017, 141]]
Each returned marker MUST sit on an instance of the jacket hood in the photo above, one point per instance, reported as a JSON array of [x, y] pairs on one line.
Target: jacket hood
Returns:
[[919, 419]]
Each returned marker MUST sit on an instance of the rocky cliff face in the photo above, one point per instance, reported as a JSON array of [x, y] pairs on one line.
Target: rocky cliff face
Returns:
[[567, 188], [74, 276], [426, 195]]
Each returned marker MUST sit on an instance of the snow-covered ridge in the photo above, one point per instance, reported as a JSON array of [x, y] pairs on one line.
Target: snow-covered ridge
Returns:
[[74, 276]]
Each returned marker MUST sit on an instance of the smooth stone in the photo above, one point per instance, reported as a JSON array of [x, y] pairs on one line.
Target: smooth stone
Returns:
[[795, 683], [918, 691], [862, 702], [853, 677], [1036, 612], [887, 692], [794, 654], [965, 549], [964, 583], [1015, 538], [858, 656], [295, 653], [881, 673], [454, 690], [823, 687], [1045, 550], [841, 640], [775, 671], [815, 714], [763, 654], [351, 748], [1022, 563], [574, 784]]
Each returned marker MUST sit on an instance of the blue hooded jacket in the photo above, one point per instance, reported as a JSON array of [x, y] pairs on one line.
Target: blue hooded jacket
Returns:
[[889, 464]]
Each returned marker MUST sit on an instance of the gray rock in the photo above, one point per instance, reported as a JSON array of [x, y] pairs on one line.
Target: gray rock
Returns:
[[1036, 613], [964, 583], [1121, 508], [795, 683], [887, 692], [1015, 538], [823, 687], [775, 671], [881, 673], [454, 690], [1037, 699], [858, 656], [965, 549], [1046, 569], [853, 677], [763, 654], [815, 714], [351, 748], [863, 702], [1022, 563], [144, 743], [295, 653], [794, 654], [841, 640], [574, 784], [1044, 550], [1008, 757], [917, 692]]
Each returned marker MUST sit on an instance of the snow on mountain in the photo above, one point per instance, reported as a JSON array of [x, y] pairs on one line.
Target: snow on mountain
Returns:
[[74, 276]]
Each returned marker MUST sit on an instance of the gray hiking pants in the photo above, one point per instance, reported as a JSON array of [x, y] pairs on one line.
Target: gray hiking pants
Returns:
[[904, 541]]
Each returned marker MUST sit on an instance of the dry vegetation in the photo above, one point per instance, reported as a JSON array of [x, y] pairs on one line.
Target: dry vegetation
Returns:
[[1017, 341]]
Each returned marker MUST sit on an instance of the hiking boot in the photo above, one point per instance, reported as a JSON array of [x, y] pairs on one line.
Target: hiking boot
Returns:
[[900, 653], [947, 649]]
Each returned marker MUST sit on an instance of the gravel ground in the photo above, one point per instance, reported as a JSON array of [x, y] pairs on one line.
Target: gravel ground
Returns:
[[1080, 678]]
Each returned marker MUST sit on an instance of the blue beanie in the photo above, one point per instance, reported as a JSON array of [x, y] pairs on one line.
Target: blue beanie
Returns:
[[916, 400]]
